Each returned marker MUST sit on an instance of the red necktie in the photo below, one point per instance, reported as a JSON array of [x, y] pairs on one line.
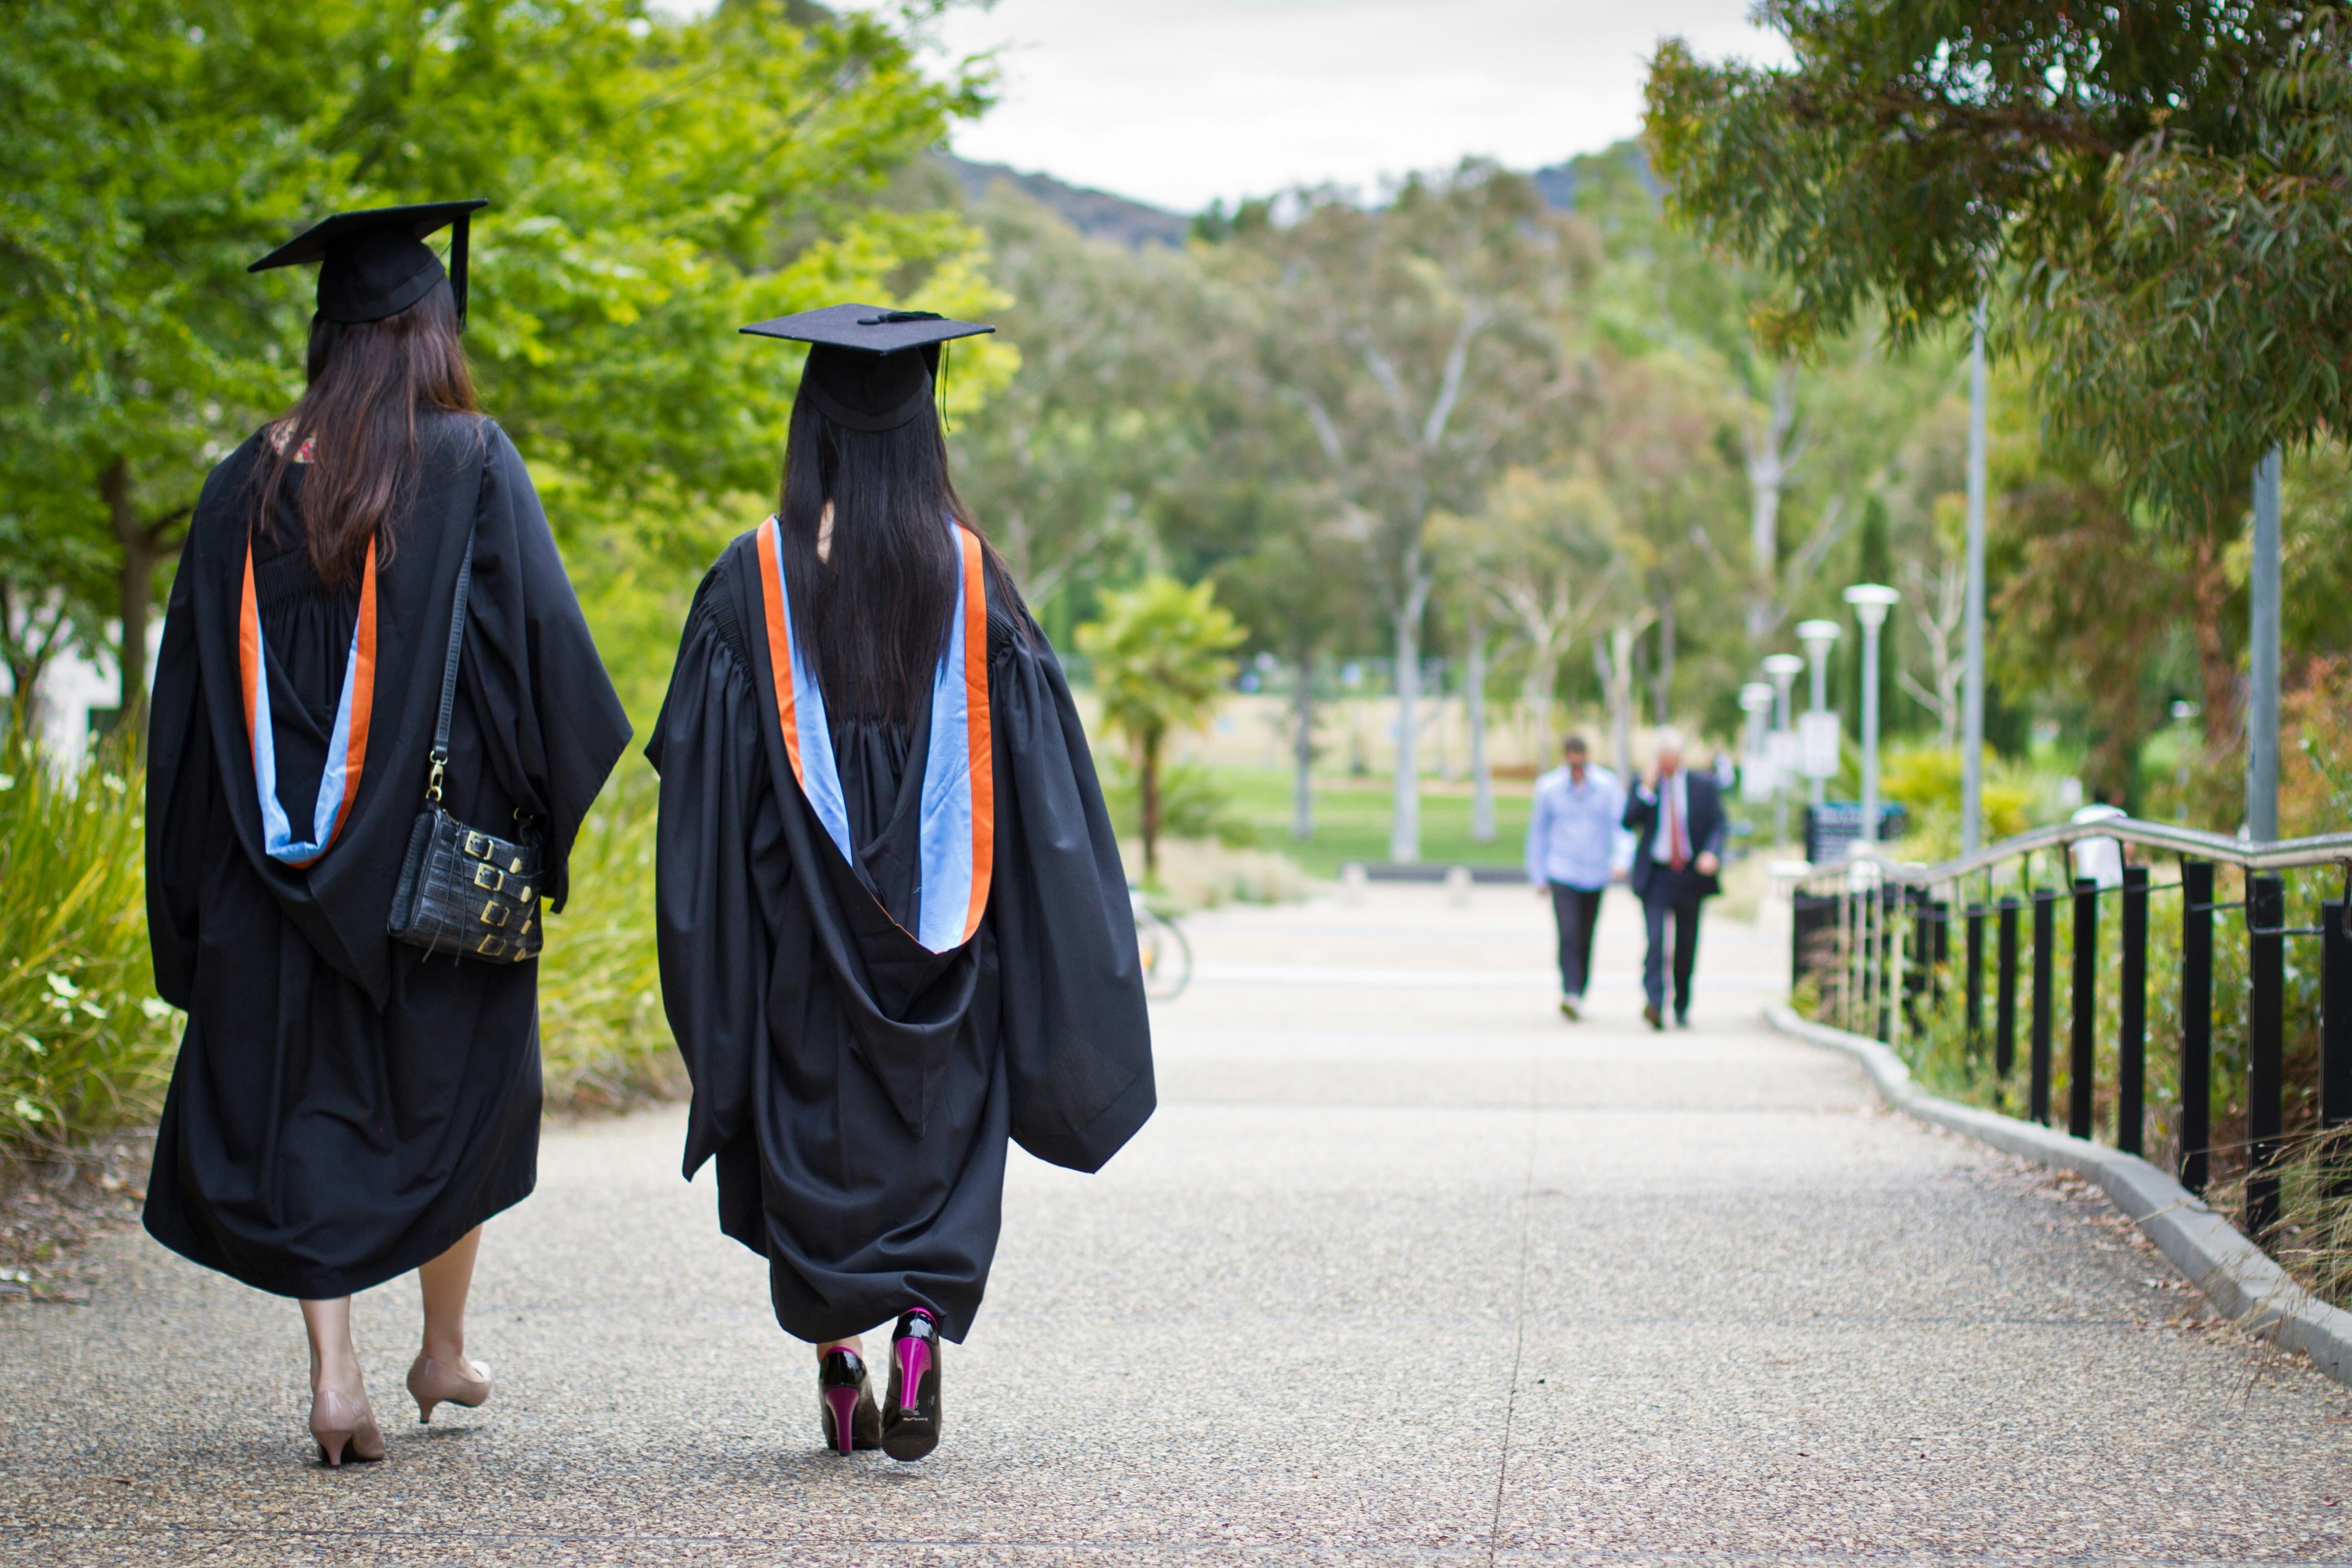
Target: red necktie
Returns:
[[1676, 851]]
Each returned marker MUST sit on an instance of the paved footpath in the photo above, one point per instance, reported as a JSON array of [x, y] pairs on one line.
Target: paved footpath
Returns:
[[1406, 1271]]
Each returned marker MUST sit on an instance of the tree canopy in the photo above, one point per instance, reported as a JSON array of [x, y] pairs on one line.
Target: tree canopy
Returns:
[[654, 182], [2159, 190]]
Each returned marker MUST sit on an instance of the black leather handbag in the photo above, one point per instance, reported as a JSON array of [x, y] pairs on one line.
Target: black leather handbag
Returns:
[[462, 891]]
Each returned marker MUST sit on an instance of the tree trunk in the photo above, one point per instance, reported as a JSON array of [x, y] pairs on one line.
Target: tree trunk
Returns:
[[1617, 671], [142, 551], [1148, 777], [1302, 748], [2217, 661], [1661, 692], [1769, 461], [1405, 821], [1482, 776]]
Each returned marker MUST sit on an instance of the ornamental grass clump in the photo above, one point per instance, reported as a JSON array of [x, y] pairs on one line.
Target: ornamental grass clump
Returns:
[[85, 1045]]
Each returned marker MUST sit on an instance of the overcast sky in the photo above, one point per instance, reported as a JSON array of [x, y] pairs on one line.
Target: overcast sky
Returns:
[[1178, 101]]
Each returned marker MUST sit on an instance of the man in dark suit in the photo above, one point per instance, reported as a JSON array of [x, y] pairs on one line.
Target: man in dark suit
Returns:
[[1678, 825]]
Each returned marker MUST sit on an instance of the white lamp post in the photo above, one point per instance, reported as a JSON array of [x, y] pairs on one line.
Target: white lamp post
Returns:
[[1783, 669], [1756, 768], [1819, 637], [1871, 600]]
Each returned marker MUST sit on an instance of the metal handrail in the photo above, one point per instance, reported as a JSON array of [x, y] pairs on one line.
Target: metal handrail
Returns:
[[2285, 854]]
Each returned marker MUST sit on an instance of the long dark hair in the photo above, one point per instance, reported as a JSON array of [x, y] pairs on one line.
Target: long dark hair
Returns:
[[368, 381], [872, 619]]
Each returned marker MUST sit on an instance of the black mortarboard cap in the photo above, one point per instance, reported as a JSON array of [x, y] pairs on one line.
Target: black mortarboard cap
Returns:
[[869, 367], [375, 264]]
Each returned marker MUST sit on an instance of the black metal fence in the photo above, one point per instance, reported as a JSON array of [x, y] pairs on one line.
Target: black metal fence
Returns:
[[1876, 938]]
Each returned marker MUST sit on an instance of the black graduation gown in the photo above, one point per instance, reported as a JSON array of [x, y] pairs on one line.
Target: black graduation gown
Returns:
[[857, 1091], [342, 1109]]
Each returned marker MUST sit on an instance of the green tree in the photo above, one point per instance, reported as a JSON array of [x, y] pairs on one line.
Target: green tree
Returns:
[[1160, 659], [1421, 341], [2161, 184], [1062, 461], [656, 182]]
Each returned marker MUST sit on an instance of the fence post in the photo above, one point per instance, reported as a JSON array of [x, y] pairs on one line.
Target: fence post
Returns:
[[2195, 1023], [2004, 1060], [1976, 978], [2084, 1022], [2335, 1017], [1846, 951], [1898, 980], [2131, 1054], [2045, 958], [2265, 1026]]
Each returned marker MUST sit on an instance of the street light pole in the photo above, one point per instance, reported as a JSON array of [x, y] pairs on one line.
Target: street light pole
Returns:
[[1819, 637], [1972, 668], [1871, 600], [1782, 668], [2262, 660]]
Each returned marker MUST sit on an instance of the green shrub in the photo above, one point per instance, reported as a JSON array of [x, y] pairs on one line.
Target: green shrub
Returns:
[[604, 1042], [85, 1045], [1193, 804]]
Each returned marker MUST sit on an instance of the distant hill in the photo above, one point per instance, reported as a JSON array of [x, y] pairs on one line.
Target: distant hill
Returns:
[[1098, 215], [1558, 182]]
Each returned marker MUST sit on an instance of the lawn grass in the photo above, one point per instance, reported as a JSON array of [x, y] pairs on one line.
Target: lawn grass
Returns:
[[1351, 820]]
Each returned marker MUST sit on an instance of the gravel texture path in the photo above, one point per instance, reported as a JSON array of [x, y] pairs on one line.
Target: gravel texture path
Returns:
[[1407, 1269]]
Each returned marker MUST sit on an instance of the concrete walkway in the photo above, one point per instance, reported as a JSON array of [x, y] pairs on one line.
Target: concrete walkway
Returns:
[[1406, 1269]]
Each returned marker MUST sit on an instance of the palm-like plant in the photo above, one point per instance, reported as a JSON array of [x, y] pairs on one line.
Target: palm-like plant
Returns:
[[1159, 666]]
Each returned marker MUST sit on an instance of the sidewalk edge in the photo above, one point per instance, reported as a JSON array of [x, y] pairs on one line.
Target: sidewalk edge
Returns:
[[2236, 1276]]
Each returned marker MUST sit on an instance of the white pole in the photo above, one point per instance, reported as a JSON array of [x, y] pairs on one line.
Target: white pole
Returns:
[[1972, 679], [1871, 600], [2262, 661]]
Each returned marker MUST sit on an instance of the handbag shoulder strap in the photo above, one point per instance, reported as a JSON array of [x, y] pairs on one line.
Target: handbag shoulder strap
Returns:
[[457, 642]]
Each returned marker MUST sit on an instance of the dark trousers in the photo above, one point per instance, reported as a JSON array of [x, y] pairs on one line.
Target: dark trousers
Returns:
[[1578, 911], [1657, 905]]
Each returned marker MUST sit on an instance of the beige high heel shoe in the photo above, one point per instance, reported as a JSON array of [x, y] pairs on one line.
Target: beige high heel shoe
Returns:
[[345, 1427], [432, 1382]]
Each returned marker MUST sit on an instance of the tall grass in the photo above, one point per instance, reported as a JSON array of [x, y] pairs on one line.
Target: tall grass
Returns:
[[85, 1045], [603, 1043]]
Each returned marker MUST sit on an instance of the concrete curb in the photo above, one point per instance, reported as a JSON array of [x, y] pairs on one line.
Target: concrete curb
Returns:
[[2236, 1276]]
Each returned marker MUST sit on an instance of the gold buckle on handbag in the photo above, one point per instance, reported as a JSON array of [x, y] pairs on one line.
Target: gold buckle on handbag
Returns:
[[489, 878], [478, 845], [493, 914], [492, 947], [515, 867], [523, 895]]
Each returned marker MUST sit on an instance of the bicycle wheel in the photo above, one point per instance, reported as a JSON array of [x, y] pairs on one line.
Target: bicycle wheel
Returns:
[[1166, 955]]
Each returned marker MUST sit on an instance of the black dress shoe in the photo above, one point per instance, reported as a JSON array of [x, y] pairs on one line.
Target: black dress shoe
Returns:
[[1681, 1018], [910, 1418], [1651, 1016], [844, 1401]]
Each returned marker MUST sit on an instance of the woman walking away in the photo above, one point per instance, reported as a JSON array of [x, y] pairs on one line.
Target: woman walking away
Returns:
[[894, 928], [378, 719]]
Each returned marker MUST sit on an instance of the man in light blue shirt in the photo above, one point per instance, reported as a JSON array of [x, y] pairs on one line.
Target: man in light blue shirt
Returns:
[[1569, 832]]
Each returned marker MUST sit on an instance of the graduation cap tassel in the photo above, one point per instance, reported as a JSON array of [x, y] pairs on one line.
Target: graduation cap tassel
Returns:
[[457, 267]]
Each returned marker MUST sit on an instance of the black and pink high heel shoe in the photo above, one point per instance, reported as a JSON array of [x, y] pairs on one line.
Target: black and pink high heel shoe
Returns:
[[845, 1401], [910, 1423]]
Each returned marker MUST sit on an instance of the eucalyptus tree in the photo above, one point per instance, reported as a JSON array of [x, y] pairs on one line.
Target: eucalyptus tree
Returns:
[[1541, 557], [1421, 342], [2160, 185], [1061, 461]]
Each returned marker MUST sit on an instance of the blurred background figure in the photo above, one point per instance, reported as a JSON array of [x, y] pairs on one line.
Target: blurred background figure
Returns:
[[1570, 828], [1676, 816], [2099, 859]]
